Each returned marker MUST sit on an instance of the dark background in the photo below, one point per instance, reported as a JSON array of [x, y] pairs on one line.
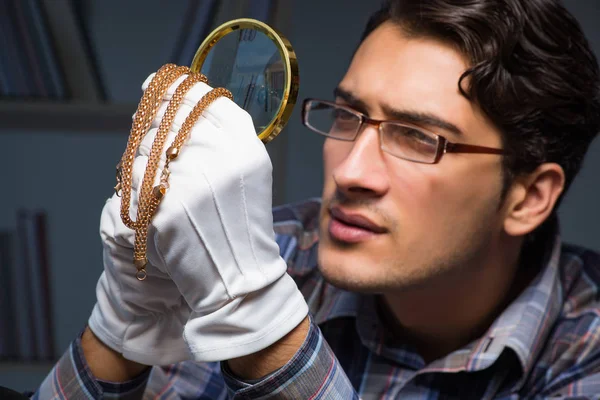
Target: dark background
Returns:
[[71, 174]]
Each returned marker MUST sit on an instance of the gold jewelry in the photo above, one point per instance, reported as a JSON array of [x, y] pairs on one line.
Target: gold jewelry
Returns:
[[150, 197], [144, 191], [143, 117]]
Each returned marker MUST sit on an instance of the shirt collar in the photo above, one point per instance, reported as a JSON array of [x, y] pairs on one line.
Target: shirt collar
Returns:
[[526, 323], [523, 326]]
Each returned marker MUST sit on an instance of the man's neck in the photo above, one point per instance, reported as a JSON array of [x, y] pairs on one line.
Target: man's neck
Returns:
[[445, 316]]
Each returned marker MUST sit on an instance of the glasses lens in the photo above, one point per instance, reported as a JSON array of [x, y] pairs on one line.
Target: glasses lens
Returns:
[[409, 143], [331, 120]]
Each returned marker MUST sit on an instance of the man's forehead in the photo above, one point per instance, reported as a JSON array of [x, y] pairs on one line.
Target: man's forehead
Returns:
[[392, 71], [388, 56]]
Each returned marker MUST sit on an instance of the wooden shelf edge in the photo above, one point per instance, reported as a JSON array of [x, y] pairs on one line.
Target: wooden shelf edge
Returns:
[[17, 366], [65, 117]]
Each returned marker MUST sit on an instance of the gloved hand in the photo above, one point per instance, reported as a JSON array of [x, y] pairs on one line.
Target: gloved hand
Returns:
[[144, 321], [213, 237]]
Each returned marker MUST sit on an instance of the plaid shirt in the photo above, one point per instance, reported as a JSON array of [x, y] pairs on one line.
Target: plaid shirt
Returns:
[[546, 343]]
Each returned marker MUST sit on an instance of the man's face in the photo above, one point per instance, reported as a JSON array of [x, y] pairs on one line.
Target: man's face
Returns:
[[388, 223]]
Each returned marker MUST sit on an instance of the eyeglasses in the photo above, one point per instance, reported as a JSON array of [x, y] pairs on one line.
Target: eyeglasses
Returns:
[[401, 140]]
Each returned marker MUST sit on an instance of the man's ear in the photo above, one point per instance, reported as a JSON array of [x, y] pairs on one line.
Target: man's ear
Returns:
[[532, 197]]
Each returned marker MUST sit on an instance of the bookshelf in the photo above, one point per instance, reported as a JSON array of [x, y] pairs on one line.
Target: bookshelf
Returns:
[[62, 124], [64, 147], [49, 78], [21, 367], [75, 117]]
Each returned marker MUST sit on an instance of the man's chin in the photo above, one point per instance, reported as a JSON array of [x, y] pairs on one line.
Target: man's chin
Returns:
[[356, 271], [352, 285], [351, 276]]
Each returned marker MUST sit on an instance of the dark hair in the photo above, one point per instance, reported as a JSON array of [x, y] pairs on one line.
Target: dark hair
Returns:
[[532, 73]]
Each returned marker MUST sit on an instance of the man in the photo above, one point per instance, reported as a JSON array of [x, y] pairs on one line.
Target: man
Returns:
[[440, 272]]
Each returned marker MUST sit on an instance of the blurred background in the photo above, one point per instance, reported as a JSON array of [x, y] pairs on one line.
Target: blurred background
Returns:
[[70, 78]]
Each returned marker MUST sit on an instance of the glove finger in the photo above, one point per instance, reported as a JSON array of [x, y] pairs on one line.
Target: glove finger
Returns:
[[111, 225], [147, 81]]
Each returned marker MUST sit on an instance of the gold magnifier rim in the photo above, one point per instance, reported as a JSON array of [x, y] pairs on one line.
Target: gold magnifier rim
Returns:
[[290, 92]]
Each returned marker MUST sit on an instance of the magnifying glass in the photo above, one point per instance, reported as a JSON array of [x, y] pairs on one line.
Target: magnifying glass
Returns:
[[258, 66]]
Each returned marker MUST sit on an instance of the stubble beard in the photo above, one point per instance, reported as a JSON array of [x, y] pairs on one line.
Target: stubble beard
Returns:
[[363, 272]]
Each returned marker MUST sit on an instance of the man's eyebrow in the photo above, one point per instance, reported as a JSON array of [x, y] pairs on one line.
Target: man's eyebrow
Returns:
[[349, 98], [411, 117]]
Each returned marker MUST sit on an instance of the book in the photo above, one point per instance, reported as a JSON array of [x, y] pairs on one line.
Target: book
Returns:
[[48, 351], [194, 28], [30, 61], [22, 288], [260, 10], [31, 288], [45, 49], [73, 52], [16, 79], [8, 331]]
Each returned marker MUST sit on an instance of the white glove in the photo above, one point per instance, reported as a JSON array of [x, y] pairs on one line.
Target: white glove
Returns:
[[213, 236], [142, 320]]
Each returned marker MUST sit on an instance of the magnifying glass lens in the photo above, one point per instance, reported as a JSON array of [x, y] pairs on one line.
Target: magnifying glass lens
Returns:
[[249, 65], [258, 66]]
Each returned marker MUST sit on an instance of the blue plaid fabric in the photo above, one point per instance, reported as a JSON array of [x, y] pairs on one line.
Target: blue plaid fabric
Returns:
[[545, 344]]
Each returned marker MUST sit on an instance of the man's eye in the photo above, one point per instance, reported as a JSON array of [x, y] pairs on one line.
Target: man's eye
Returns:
[[414, 133], [342, 115], [418, 135]]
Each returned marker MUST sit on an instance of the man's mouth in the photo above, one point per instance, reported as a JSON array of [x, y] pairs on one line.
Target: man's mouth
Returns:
[[352, 227]]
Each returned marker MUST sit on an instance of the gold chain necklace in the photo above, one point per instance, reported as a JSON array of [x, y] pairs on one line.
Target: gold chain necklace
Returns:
[[149, 197]]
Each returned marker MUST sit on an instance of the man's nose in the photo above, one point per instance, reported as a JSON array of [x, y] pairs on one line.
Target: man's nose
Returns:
[[363, 172]]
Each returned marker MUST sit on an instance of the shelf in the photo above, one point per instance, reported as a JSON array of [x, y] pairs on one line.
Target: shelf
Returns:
[[34, 366], [65, 117], [23, 376]]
